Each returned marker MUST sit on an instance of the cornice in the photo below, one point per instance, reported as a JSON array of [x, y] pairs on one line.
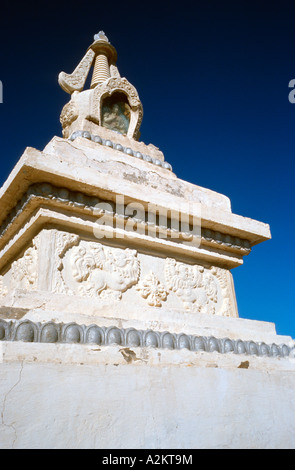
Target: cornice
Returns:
[[41, 193]]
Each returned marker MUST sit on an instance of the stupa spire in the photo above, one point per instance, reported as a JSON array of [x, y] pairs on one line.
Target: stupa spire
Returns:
[[102, 55], [112, 102], [105, 54]]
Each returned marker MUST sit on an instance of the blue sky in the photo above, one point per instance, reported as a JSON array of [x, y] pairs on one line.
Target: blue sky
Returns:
[[213, 79]]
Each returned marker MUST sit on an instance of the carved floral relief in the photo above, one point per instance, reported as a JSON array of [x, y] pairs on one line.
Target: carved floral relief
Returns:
[[152, 289]]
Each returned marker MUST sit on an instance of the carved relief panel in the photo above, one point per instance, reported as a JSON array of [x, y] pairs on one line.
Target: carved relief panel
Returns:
[[91, 269], [200, 289], [23, 273], [108, 274]]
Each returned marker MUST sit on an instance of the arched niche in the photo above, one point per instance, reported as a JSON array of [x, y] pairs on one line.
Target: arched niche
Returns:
[[119, 98], [116, 112]]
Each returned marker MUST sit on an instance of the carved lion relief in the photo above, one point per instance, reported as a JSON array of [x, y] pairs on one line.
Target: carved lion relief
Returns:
[[200, 289], [91, 269]]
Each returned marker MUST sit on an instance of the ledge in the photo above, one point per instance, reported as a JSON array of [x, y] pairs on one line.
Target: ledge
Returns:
[[51, 332], [94, 173]]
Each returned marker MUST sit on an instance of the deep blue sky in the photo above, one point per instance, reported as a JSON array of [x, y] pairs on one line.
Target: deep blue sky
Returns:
[[213, 79]]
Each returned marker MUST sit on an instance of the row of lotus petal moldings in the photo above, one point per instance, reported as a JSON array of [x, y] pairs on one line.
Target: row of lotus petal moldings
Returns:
[[109, 143], [78, 199], [52, 332]]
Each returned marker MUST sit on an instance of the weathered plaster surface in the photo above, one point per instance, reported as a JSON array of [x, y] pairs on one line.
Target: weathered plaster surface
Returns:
[[89, 397]]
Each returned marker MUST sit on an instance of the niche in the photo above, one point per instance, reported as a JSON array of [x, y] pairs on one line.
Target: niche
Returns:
[[115, 112]]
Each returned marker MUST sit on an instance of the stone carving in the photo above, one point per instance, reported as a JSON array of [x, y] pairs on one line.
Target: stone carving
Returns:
[[114, 71], [75, 81], [107, 88], [115, 84], [51, 332], [116, 117], [63, 241], [227, 309], [152, 289], [200, 289], [97, 270], [68, 115], [24, 271]]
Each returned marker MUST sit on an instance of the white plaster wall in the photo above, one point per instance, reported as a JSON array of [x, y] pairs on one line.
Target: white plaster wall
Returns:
[[141, 404]]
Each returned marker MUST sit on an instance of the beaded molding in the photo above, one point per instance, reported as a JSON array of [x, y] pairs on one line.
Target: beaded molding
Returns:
[[109, 143], [51, 332], [78, 199]]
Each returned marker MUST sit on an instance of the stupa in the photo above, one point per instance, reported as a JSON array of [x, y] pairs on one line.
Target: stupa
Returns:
[[119, 325]]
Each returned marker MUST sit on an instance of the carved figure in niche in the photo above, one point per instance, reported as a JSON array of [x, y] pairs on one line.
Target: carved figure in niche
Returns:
[[116, 113]]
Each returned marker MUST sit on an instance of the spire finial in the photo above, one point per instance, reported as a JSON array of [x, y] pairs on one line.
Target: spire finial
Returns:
[[100, 37]]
